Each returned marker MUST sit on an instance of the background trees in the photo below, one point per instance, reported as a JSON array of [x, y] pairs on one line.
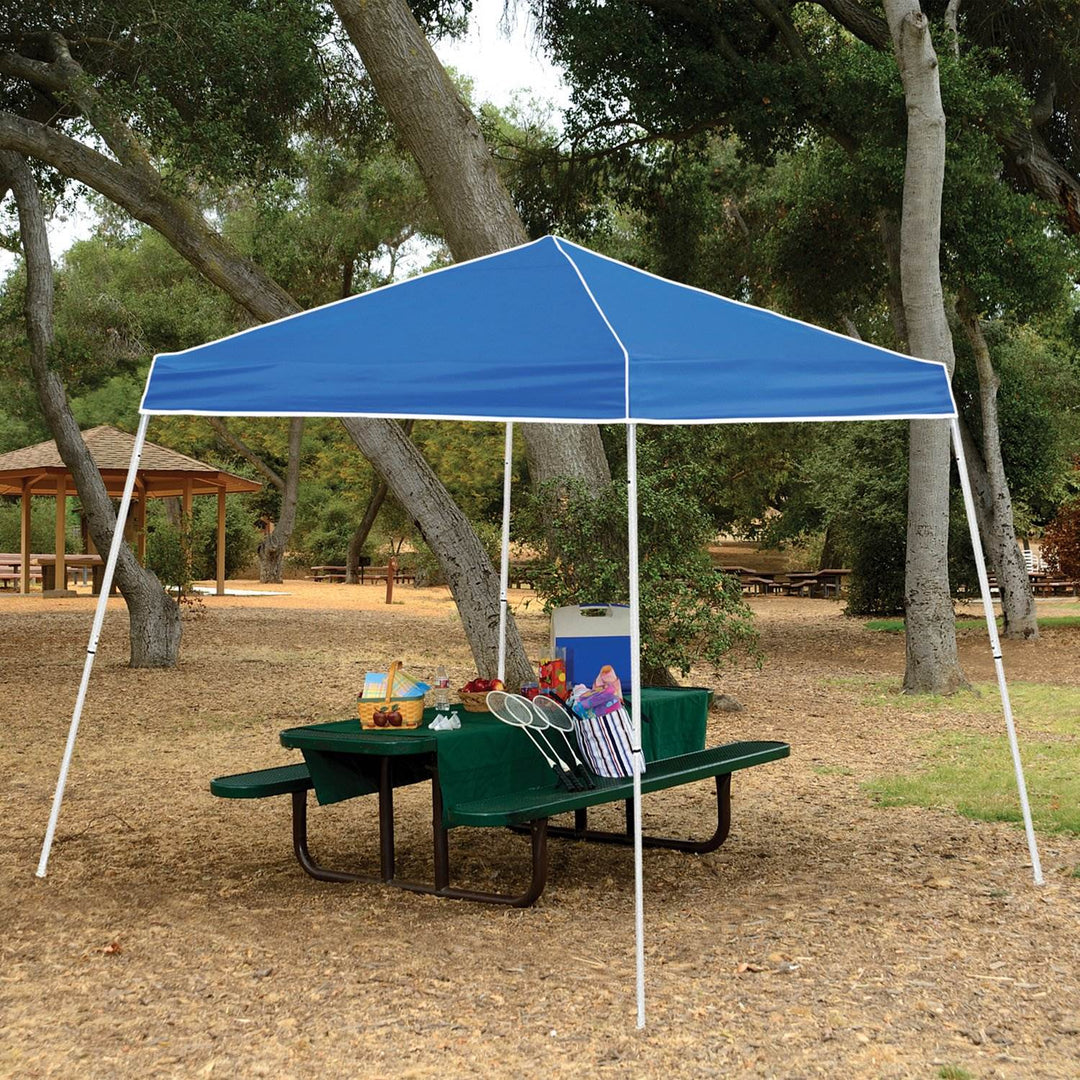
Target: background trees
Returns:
[[754, 148]]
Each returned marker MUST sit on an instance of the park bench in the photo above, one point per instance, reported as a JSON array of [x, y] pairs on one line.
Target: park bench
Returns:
[[527, 810], [327, 573], [15, 577], [1056, 588], [401, 574]]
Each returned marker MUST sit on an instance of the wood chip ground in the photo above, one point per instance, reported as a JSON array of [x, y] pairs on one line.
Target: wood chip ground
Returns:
[[176, 937]]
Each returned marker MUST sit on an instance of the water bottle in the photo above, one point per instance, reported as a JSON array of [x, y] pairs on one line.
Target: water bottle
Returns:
[[442, 689]]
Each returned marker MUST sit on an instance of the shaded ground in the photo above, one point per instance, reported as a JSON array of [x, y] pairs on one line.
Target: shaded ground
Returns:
[[175, 935]]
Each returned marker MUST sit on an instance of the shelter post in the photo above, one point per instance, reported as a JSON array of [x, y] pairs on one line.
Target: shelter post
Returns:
[[995, 646], [504, 555], [24, 537], [60, 580], [635, 708], [220, 549], [91, 648]]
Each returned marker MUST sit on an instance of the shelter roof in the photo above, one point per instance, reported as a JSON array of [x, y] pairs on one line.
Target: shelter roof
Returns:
[[162, 472], [546, 331]]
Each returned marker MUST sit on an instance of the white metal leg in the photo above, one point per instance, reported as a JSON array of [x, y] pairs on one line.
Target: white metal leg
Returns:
[[635, 705], [91, 648], [995, 645], [504, 562]]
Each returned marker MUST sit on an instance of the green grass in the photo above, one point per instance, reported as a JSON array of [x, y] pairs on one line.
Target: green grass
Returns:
[[896, 626], [1036, 706], [954, 1072], [973, 775], [1076, 872]]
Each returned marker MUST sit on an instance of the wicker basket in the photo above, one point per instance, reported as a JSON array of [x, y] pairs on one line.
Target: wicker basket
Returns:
[[473, 700], [410, 710]]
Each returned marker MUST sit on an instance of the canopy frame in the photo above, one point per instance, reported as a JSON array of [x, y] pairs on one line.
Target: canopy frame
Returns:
[[631, 423]]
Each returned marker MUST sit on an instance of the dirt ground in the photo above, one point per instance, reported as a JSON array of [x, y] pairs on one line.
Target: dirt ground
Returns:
[[175, 936]]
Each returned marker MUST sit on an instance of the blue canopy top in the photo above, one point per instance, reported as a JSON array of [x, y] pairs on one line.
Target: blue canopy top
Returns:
[[546, 331]]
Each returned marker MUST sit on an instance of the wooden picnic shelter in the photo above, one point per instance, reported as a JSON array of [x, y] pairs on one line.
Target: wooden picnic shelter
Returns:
[[162, 473]]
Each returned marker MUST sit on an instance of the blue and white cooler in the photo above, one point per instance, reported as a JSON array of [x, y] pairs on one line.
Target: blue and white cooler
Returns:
[[593, 635]]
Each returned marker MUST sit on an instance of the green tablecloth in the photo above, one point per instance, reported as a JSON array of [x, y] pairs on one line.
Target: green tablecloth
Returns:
[[484, 757]]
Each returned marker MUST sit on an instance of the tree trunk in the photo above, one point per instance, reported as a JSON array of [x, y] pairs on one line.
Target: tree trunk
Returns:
[[359, 537], [475, 209], [147, 199], [889, 228], [997, 525], [371, 512], [932, 664], [466, 566], [154, 618], [272, 549]]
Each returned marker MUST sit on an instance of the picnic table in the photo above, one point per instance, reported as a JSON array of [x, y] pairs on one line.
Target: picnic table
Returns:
[[488, 774], [1043, 585], [752, 581], [11, 569], [72, 563], [827, 581], [368, 573]]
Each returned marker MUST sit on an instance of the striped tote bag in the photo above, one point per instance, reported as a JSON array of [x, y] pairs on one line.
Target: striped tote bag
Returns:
[[607, 742]]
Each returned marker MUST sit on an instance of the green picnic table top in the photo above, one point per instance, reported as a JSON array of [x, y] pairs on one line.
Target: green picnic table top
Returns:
[[484, 758]]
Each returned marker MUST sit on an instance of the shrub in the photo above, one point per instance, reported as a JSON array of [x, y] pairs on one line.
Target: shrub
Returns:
[[1061, 541], [689, 612]]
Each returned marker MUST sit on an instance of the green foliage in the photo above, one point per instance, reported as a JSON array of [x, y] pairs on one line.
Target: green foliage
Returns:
[[42, 525], [337, 225], [181, 554], [168, 554], [468, 458], [241, 536], [689, 612], [329, 523], [213, 86], [1037, 401]]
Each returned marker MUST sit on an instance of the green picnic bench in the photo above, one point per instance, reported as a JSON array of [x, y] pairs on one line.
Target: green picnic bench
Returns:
[[527, 810]]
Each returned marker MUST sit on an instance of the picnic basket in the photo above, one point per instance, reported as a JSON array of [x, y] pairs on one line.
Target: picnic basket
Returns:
[[411, 710]]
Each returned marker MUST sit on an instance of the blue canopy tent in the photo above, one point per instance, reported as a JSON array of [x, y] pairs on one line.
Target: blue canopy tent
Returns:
[[553, 332]]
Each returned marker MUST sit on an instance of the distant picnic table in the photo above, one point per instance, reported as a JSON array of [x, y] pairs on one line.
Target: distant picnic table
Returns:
[[368, 573], [826, 582], [43, 569]]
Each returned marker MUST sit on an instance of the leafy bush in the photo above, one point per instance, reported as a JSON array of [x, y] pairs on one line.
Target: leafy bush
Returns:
[[168, 555], [689, 612], [165, 541], [42, 526], [330, 525]]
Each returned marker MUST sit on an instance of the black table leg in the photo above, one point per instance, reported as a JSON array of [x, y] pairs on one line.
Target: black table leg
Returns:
[[386, 820], [440, 837]]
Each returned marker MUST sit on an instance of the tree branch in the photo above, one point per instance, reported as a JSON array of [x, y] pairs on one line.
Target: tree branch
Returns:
[[867, 26], [244, 451], [952, 25], [145, 197], [787, 30]]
